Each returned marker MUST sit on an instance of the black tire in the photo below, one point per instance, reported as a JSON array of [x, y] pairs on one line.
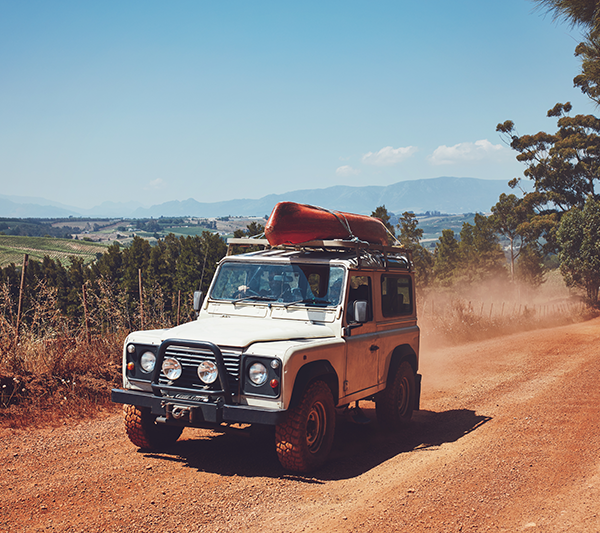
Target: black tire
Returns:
[[144, 432], [304, 440], [396, 403]]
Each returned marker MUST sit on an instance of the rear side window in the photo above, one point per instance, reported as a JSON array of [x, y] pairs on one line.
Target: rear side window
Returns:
[[396, 295]]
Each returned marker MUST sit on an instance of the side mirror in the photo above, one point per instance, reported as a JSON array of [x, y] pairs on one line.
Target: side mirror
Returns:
[[360, 311], [197, 300], [360, 316]]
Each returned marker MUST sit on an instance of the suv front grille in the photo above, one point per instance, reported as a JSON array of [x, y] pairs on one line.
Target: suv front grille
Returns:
[[190, 358]]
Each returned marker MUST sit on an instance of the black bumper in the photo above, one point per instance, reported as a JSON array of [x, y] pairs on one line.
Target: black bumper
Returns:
[[198, 414]]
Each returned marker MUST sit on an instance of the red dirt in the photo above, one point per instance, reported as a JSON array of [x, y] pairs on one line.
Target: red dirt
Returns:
[[508, 439]]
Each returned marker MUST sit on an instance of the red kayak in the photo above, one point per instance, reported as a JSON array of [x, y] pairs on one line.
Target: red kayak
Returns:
[[292, 223]]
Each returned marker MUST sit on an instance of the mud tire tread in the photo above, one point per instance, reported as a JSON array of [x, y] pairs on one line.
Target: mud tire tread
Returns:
[[401, 387], [291, 436], [144, 432]]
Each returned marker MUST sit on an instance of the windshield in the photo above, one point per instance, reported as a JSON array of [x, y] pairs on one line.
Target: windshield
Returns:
[[319, 285]]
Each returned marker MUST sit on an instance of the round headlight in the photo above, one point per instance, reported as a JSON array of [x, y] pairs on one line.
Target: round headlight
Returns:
[[147, 361], [171, 368], [258, 374], [207, 372]]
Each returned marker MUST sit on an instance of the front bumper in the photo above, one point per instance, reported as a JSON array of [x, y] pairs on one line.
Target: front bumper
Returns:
[[199, 414]]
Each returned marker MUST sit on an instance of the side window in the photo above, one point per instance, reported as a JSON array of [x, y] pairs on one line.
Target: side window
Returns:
[[396, 295], [360, 289]]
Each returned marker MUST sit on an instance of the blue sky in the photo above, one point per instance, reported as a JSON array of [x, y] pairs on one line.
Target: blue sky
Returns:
[[155, 101]]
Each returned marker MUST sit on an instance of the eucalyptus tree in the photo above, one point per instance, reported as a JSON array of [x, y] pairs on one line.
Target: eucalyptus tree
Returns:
[[584, 14]]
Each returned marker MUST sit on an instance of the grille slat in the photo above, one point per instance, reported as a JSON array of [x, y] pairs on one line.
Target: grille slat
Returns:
[[189, 359]]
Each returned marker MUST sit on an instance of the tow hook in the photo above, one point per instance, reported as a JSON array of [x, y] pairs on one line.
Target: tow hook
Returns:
[[179, 412]]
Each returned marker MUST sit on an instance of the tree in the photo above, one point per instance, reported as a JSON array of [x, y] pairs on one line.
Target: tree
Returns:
[[410, 238], [252, 229], [515, 219], [382, 214], [530, 266], [508, 217], [446, 257], [480, 256], [134, 258], [580, 248], [110, 265], [410, 234], [564, 168], [586, 14]]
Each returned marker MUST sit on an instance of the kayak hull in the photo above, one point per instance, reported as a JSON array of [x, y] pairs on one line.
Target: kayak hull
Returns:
[[292, 223]]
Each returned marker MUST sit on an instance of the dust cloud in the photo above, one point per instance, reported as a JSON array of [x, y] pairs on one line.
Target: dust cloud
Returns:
[[459, 314]]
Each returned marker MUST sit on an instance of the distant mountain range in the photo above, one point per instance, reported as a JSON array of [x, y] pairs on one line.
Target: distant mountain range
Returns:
[[444, 194]]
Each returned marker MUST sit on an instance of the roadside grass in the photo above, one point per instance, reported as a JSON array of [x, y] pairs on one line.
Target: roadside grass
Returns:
[[53, 369], [13, 247]]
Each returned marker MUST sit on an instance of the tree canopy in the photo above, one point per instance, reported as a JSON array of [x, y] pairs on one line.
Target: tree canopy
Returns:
[[564, 166], [580, 248], [586, 15], [382, 214], [410, 238]]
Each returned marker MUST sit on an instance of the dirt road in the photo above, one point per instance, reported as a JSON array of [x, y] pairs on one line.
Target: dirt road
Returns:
[[508, 439]]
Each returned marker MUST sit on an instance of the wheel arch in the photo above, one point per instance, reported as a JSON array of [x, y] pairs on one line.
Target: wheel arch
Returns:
[[401, 353], [310, 372]]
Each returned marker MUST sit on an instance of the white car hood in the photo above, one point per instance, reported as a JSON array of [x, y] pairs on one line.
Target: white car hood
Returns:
[[237, 331]]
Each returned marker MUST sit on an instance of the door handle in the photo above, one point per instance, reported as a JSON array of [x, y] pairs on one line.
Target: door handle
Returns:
[[374, 348]]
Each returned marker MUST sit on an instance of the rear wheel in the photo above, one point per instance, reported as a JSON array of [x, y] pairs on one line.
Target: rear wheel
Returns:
[[144, 432], [396, 403], [304, 440]]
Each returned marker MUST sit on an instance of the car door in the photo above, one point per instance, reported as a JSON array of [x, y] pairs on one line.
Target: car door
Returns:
[[361, 340]]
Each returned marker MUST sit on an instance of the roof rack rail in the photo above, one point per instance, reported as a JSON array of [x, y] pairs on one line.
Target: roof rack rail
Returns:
[[324, 245]]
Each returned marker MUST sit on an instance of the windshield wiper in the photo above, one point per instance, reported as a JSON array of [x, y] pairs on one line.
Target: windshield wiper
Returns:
[[254, 297], [313, 301]]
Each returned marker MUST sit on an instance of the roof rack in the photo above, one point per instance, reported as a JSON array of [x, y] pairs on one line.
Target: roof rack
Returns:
[[360, 247]]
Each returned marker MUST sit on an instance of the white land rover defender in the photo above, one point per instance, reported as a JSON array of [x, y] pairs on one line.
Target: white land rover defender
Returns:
[[284, 337]]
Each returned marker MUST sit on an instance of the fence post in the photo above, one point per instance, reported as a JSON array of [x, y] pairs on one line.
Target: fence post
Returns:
[[21, 288], [178, 305], [85, 312], [141, 299]]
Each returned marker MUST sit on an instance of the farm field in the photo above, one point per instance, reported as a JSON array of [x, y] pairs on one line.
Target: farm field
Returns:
[[433, 226], [12, 249]]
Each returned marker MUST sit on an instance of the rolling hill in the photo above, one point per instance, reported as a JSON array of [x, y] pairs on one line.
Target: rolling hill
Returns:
[[443, 194]]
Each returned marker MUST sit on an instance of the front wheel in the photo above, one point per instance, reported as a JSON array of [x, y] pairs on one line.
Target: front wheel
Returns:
[[304, 440], [144, 432], [396, 403]]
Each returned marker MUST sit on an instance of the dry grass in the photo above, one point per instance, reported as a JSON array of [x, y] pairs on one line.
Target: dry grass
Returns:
[[457, 316], [56, 368], [52, 370]]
